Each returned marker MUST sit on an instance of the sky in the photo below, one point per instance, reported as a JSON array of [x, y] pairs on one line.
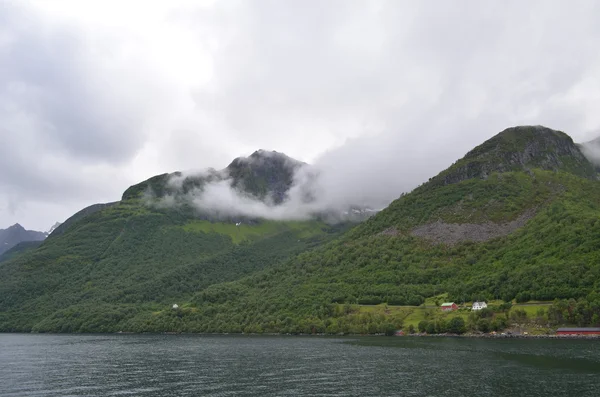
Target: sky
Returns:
[[382, 95]]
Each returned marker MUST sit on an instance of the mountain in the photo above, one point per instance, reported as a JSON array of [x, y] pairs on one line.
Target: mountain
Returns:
[[520, 149], [15, 234], [517, 218], [153, 248], [263, 175]]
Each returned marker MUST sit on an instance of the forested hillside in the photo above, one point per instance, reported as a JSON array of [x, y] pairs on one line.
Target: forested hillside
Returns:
[[518, 218], [525, 230], [127, 259], [109, 262], [19, 249]]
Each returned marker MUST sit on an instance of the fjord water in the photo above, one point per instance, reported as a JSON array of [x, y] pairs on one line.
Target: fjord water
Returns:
[[189, 365]]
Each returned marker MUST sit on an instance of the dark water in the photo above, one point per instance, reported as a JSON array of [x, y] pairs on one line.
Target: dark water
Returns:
[[175, 365]]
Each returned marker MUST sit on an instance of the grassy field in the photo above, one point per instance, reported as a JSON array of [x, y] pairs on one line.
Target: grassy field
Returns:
[[420, 314], [532, 308], [413, 315], [245, 232]]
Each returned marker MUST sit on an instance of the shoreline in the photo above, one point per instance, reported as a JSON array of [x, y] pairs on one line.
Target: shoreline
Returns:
[[415, 335]]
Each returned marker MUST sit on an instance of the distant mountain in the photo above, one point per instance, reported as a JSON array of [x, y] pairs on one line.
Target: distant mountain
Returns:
[[15, 234]]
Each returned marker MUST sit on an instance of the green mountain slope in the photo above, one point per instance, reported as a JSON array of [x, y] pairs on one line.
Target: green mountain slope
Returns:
[[517, 218], [529, 229], [19, 249], [110, 262]]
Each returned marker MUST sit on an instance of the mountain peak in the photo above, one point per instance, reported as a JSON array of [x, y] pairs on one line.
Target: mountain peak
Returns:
[[520, 148], [16, 226], [263, 157], [264, 175], [265, 153]]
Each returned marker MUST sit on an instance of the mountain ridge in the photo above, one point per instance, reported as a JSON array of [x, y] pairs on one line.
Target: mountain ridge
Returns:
[[133, 255]]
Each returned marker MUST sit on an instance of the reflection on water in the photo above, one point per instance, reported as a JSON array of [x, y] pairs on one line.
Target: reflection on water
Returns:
[[179, 365]]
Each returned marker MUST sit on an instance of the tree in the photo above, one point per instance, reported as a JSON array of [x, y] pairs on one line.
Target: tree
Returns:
[[485, 313], [390, 330], [457, 326], [430, 329], [483, 325]]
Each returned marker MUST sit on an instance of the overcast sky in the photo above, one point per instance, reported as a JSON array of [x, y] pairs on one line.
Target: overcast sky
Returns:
[[96, 96]]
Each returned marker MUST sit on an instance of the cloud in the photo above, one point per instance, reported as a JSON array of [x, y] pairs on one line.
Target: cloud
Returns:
[[591, 150], [377, 95], [399, 91], [218, 198]]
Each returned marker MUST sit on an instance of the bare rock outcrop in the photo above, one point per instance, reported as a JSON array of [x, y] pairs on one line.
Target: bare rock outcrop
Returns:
[[453, 233], [391, 231]]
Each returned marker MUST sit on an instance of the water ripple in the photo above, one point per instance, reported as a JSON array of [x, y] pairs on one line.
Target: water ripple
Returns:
[[219, 366]]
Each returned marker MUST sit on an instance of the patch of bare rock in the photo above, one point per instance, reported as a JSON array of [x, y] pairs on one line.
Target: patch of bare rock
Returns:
[[453, 233], [392, 231]]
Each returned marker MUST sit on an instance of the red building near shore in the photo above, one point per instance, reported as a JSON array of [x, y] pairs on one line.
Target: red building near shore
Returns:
[[578, 331]]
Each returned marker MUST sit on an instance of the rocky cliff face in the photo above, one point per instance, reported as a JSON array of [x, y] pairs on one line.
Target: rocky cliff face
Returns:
[[520, 148]]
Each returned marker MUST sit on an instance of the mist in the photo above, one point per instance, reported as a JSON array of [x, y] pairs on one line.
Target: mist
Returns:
[[591, 150], [342, 184]]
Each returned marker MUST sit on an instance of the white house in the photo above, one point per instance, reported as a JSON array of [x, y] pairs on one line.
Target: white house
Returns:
[[478, 305], [175, 306]]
